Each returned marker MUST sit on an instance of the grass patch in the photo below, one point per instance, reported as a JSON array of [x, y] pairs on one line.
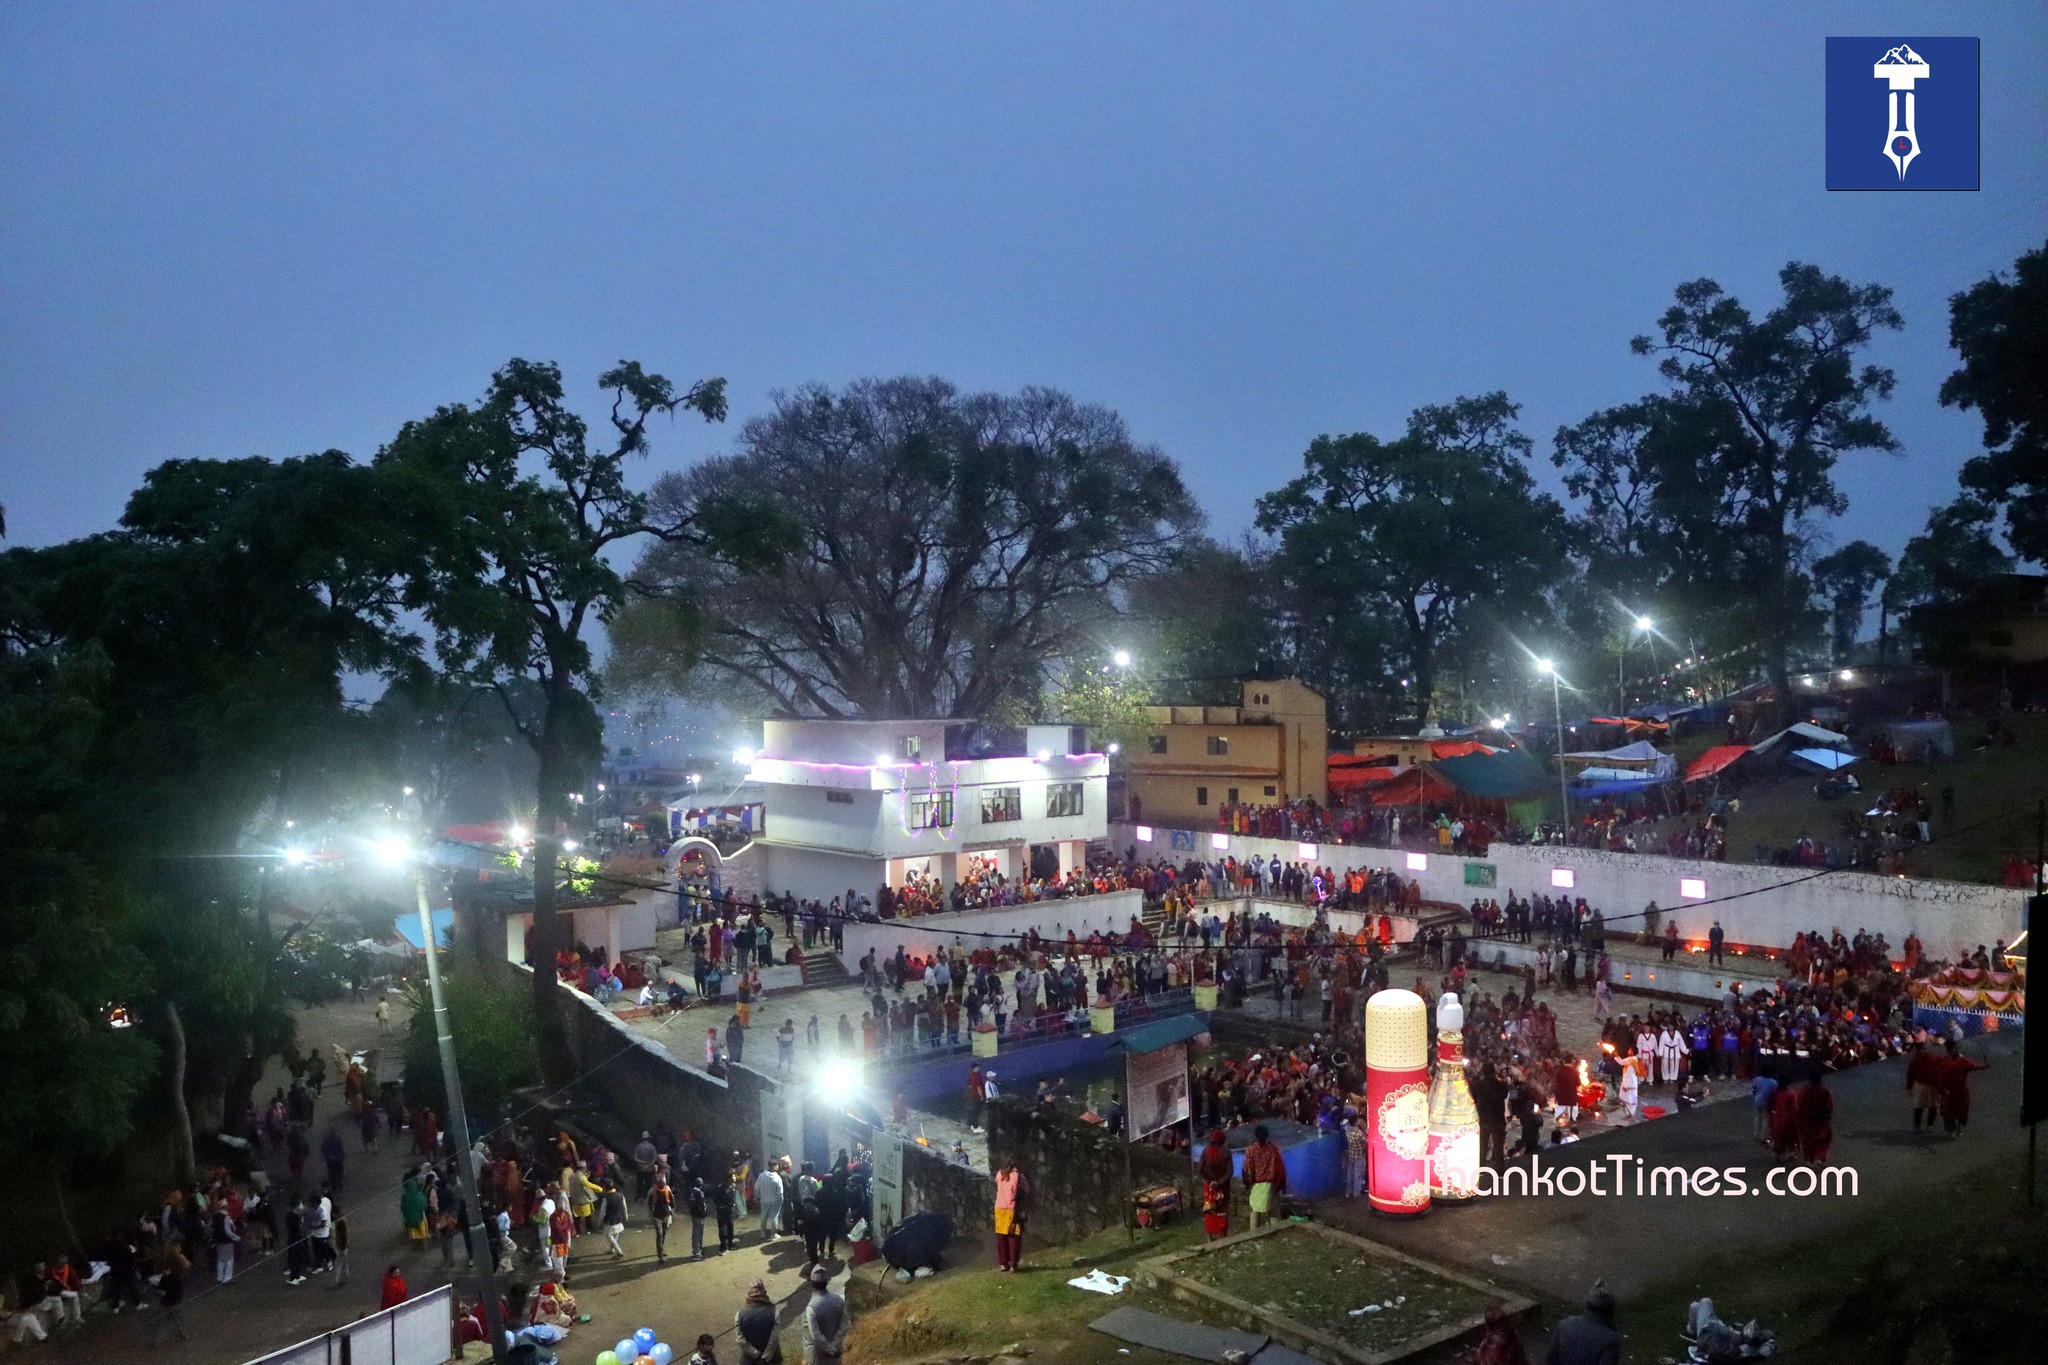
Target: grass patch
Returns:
[[973, 1311], [1318, 1282]]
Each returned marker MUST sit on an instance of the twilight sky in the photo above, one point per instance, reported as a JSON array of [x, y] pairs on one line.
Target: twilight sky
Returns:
[[230, 230]]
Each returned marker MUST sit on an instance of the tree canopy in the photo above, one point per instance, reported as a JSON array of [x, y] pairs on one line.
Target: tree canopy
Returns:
[[934, 549], [1999, 328], [1389, 548]]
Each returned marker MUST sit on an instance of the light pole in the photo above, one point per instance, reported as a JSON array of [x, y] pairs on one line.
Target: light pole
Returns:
[[458, 1118], [1564, 800], [1642, 624]]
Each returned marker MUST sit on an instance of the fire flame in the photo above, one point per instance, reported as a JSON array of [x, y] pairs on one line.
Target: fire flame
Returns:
[[1585, 1075]]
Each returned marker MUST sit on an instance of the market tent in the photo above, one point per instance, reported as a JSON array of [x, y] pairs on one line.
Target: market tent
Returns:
[[1357, 777], [1827, 760], [492, 832], [1632, 785], [1599, 774], [1418, 786], [1495, 777], [408, 927], [1642, 751], [1458, 748], [1811, 734], [1714, 760]]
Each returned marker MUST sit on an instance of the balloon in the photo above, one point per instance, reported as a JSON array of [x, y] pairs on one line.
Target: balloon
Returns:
[[662, 1353], [629, 1351], [607, 1358], [644, 1360], [643, 1339]]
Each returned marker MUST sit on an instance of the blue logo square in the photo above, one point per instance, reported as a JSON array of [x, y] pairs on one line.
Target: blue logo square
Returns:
[[1902, 114]]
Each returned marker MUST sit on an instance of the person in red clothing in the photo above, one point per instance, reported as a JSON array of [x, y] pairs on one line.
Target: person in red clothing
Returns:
[[1785, 1121], [1214, 1169], [1816, 1120], [1265, 1177], [1923, 1083], [394, 1292], [1954, 1085]]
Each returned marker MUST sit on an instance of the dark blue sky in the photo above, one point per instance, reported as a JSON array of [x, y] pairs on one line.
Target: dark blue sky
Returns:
[[273, 229]]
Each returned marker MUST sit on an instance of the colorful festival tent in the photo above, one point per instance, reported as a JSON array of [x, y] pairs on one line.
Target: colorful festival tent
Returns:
[[1714, 760], [1495, 776]]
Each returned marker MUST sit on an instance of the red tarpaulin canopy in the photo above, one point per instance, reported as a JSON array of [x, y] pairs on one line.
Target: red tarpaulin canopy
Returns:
[[1356, 777], [1420, 785], [1713, 760], [497, 832], [1458, 748]]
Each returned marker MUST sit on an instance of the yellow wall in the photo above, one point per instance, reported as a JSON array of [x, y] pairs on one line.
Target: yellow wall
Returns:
[[1278, 751]]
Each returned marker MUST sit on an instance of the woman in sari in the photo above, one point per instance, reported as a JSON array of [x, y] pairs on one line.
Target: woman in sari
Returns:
[[412, 1208]]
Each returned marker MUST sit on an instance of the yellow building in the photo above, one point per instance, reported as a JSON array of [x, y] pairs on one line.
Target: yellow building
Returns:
[[1272, 747]]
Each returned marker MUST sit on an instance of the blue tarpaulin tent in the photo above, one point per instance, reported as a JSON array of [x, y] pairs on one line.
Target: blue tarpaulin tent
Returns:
[[408, 927]]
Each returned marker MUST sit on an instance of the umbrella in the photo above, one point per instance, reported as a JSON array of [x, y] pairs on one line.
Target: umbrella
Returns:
[[917, 1241]]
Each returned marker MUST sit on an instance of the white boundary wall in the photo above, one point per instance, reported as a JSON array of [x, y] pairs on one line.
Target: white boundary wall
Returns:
[[1949, 917], [921, 935]]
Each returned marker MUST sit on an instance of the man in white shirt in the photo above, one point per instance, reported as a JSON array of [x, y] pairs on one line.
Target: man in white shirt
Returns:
[[320, 1230]]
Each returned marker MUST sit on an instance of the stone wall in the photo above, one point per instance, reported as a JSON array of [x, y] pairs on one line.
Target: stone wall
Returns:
[[1756, 904], [635, 1079], [1076, 1170], [967, 1196]]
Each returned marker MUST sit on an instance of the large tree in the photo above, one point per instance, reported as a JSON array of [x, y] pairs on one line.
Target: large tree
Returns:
[[514, 509], [1393, 549], [196, 657], [1999, 327], [939, 550], [1845, 579], [1729, 471], [1943, 567]]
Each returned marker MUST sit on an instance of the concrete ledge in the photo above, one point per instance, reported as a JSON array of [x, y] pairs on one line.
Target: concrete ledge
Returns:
[[1159, 1273]]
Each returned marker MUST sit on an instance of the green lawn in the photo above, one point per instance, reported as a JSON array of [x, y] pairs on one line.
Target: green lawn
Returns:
[[1997, 796]]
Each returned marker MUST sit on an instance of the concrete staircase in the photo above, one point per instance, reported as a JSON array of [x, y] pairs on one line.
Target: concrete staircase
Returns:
[[822, 967]]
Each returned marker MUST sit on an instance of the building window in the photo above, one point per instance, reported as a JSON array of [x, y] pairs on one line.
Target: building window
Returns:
[[930, 810], [1219, 744], [1001, 803], [833, 798], [913, 746], [1156, 743], [1230, 796], [1062, 798], [1272, 791], [1201, 796]]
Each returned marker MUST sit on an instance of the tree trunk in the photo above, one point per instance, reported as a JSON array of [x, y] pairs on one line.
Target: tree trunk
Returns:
[[183, 1159], [550, 932]]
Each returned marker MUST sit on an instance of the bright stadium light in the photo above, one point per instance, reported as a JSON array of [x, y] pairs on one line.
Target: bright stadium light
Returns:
[[1545, 667], [1643, 623], [1123, 658], [395, 850], [516, 834], [297, 857], [838, 1081]]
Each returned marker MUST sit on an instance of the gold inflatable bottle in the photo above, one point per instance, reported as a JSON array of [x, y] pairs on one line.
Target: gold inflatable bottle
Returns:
[[1453, 1116]]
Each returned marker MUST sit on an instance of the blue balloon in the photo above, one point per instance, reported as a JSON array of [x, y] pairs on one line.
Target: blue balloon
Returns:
[[663, 1353], [644, 1339], [628, 1349]]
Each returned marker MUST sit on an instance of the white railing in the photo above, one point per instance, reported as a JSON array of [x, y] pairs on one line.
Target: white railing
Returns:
[[416, 1332]]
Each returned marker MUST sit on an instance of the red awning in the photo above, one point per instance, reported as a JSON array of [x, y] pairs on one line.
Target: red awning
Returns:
[[1420, 785], [1458, 748], [1355, 778], [1713, 760], [496, 832]]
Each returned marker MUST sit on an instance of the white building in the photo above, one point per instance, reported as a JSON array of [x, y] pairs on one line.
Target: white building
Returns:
[[854, 805]]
